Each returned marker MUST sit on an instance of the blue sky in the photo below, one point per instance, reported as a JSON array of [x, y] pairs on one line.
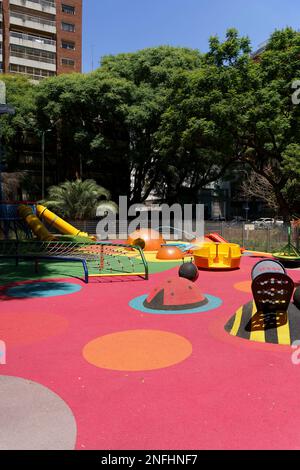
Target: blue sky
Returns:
[[114, 26]]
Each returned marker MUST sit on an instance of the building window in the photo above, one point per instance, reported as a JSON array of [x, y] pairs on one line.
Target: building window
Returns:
[[35, 74], [68, 9], [32, 54], [68, 27], [68, 62], [68, 45]]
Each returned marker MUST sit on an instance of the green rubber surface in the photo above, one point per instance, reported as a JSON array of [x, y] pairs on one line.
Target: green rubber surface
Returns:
[[9, 273]]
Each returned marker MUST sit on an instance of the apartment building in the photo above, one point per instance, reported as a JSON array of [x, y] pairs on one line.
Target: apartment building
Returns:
[[40, 38]]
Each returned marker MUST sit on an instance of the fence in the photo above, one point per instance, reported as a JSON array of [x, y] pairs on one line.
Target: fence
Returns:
[[267, 239]]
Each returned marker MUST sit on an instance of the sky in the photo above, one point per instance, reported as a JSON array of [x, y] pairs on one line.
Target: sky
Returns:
[[116, 26]]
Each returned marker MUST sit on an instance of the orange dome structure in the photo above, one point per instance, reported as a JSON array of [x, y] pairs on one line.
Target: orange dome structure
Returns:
[[169, 252], [147, 238]]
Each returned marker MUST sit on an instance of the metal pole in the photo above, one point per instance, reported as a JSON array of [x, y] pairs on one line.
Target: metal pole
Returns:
[[43, 165]]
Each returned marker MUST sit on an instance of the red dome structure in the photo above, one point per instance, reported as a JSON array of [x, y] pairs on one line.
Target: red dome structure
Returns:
[[175, 294]]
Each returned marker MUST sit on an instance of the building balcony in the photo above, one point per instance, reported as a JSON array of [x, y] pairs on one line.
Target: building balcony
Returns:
[[33, 75], [46, 6], [32, 22], [34, 42], [31, 61]]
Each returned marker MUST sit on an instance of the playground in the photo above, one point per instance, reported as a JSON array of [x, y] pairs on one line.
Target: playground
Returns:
[[139, 346]]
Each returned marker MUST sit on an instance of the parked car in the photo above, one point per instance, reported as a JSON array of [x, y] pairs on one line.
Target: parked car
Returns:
[[264, 222], [279, 221]]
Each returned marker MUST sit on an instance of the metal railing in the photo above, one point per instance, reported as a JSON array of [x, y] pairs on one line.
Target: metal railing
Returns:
[[46, 3], [34, 19], [33, 76], [38, 58], [34, 39]]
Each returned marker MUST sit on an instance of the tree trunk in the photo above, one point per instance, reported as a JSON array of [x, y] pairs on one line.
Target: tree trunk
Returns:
[[284, 209]]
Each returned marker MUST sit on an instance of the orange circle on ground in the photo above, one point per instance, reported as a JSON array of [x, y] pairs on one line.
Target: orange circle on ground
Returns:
[[245, 286], [137, 350]]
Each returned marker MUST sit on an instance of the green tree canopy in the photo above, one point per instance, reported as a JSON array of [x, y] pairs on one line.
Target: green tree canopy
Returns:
[[78, 199], [169, 120]]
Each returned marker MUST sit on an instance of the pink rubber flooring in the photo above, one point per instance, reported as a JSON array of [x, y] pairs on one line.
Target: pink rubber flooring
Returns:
[[229, 394]]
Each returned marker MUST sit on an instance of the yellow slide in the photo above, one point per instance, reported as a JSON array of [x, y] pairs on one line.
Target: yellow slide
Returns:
[[35, 224], [61, 225]]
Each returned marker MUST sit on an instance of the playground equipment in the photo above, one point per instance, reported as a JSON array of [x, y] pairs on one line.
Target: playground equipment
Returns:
[[271, 317], [218, 256], [175, 294], [216, 238], [11, 224], [169, 252], [34, 223], [272, 288], [59, 224], [147, 239], [267, 266], [189, 271], [289, 256], [98, 259]]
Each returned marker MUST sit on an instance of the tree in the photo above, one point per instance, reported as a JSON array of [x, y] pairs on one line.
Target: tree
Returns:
[[107, 119], [11, 185], [19, 132], [263, 122], [151, 73], [169, 120], [235, 111], [79, 199], [195, 138], [272, 128]]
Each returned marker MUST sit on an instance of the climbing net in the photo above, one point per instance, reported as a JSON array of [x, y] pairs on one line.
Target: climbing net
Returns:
[[103, 258]]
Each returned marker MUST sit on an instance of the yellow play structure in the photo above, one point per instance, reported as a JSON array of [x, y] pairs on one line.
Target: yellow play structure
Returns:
[[59, 224], [218, 256], [35, 222]]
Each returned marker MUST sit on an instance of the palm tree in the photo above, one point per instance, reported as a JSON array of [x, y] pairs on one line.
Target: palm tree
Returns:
[[79, 200]]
